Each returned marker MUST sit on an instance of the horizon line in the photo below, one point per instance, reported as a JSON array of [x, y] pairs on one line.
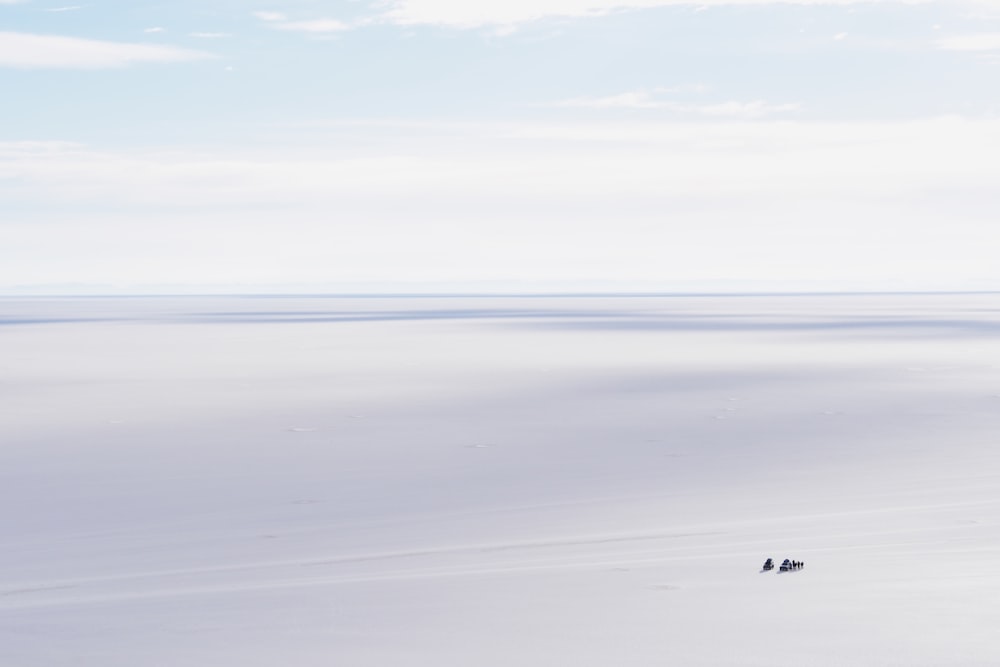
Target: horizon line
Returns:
[[503, 294]]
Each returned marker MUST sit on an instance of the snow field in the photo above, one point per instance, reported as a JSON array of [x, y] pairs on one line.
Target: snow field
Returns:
[[500, 481]]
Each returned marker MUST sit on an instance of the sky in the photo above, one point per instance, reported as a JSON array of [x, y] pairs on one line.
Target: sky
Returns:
[[515, 145]]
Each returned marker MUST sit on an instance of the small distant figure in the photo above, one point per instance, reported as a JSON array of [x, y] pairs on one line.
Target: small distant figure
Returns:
[[768, 565], [791, 565]]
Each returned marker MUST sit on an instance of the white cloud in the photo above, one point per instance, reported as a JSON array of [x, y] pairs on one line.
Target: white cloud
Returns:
[[72, 8], [29, 51], [545, 201], [270, 16], [974, 42], [690, 158], [754, 109], [467, 14], [314, 26], [640, 99], [650, 99], [154, 30]]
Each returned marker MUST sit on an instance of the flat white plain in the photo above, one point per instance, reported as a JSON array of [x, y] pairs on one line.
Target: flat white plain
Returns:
[[500, 481]]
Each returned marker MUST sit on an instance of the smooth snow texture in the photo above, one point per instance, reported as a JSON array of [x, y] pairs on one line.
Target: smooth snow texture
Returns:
[[499, 481]]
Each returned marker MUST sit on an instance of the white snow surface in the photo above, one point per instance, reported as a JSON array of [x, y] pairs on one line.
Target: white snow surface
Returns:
[[499, 481]]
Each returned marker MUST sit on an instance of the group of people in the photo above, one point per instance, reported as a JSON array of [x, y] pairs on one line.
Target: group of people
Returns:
[[786, 565]]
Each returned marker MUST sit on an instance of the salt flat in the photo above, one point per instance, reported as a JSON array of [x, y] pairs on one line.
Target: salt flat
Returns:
[[500, 480]]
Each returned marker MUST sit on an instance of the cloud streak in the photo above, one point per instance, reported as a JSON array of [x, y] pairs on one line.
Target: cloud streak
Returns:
[[32, 51], [650, 99], [270, 16], [973, 42], [319, 26], [453, 14], [677, 199], [313, 26], [649, 159]]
